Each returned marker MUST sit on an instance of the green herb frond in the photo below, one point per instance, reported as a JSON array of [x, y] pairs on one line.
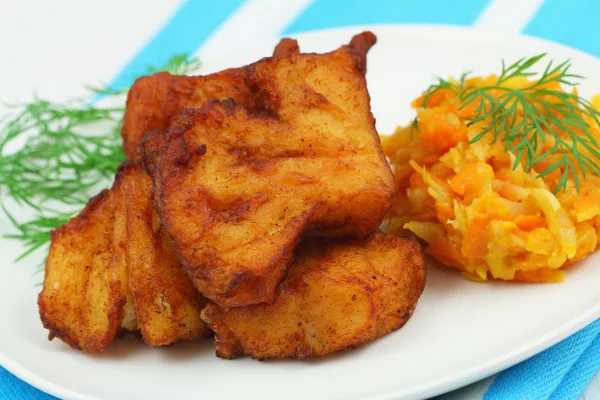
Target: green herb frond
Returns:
[[522, 118]]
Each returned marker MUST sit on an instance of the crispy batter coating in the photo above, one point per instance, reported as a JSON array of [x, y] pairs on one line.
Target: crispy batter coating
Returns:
[[113, 257], [85, 288], [153, 101], [337, 295], [236, 188], [167, 305]]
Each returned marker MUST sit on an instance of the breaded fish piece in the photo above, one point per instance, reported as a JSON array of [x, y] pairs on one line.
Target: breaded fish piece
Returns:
[[112, 268], [167, 305], [236, 188], [85, 285], [153, 101], [337, 295]]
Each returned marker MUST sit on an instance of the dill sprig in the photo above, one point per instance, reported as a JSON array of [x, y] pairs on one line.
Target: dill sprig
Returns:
[[66, 152], [35, 233], [58, 161], [522, 118]]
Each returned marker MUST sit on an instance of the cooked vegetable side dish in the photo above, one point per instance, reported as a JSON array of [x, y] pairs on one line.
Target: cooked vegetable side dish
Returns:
[[499, 175]]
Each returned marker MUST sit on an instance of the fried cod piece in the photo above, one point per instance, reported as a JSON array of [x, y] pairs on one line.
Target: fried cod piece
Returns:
[[112, 268], [167, 305], [337, 295], [153, 101], [85, 285], [236, 189]]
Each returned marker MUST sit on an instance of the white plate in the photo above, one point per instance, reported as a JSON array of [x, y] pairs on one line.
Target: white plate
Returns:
[[461, 331]]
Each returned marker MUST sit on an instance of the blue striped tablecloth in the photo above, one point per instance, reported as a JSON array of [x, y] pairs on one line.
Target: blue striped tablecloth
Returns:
[[563, 371]]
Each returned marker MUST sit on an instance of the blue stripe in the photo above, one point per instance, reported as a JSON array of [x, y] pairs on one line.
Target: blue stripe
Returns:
[[337, 13], [187, 29], [553, 22], [12, 387], [538, 377], [580, 375]]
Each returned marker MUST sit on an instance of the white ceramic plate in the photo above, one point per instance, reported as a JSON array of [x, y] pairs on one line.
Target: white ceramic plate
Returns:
[[461, 331]]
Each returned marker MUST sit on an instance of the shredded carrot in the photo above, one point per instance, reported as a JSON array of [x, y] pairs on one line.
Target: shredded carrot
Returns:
[[492, 219], [529, 222]]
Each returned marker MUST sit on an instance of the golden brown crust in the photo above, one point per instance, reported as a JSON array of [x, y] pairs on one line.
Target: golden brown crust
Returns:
[[337, 295], [153, 101], [167, 305], [236, 275], [110, 255], [286, 46], [236, 187], [83, 296], [359, 47]]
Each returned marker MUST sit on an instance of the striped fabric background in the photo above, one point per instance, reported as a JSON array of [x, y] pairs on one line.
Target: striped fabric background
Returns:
[[56, 47]]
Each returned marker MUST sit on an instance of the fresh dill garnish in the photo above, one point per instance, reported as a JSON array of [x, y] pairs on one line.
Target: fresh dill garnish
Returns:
[[522, 118], [66, 152], [36, 232]]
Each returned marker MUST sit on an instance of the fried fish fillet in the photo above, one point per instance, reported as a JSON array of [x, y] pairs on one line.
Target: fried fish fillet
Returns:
[[112, 258], [85, 286], [236, 188], [167, 305], [337, 295], [153, 101]]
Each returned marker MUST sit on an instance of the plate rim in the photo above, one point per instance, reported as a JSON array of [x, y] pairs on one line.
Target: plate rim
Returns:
[[450, 382]]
